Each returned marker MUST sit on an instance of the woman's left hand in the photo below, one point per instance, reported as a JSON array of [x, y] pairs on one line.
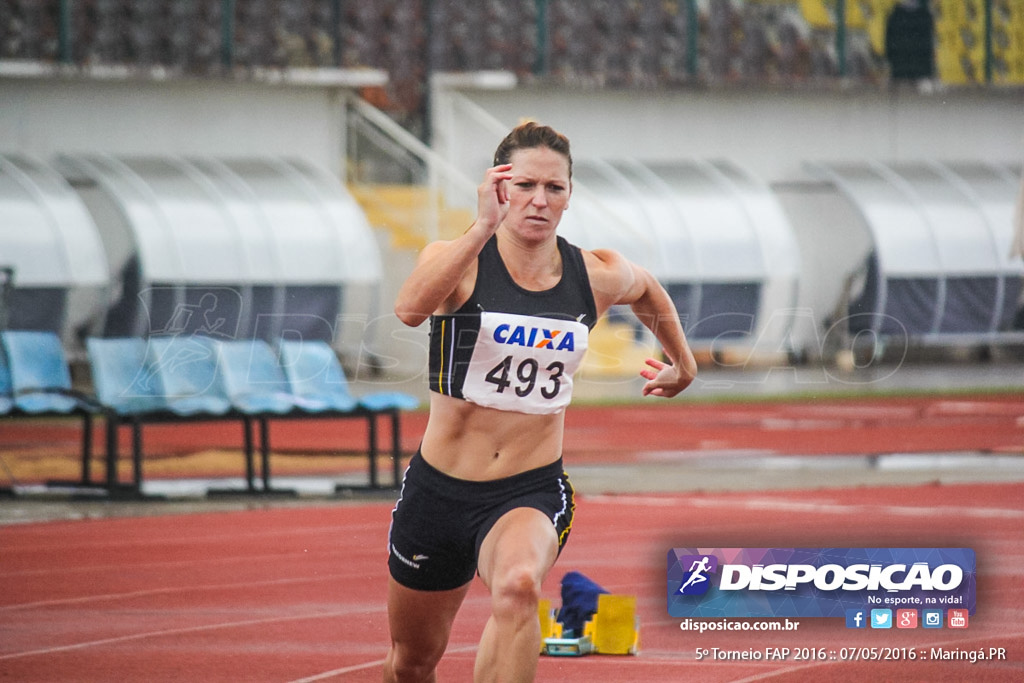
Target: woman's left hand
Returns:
[[663, 379]]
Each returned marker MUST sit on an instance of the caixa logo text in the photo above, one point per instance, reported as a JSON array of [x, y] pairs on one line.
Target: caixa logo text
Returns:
[[519, 335], [831, 577]]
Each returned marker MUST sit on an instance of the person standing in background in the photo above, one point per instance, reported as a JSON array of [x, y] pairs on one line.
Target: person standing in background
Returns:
[[910, 42]]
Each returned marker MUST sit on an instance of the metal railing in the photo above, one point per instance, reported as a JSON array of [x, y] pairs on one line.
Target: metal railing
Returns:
[[374, 138]]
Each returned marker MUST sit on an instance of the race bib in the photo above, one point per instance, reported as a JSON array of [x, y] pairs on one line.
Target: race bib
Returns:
[[524, 363]]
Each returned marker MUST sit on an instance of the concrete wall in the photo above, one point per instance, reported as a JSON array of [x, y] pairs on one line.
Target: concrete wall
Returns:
[[43, 117], [769, 132]]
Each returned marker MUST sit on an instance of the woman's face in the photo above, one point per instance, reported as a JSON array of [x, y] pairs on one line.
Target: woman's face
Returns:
[[538, 192]]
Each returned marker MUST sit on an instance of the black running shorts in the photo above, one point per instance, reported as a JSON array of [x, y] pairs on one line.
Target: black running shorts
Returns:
[[439, 522]]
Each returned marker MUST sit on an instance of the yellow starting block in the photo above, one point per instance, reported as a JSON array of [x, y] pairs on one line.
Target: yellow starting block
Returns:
[[615, 627], [613, 630], [549, 627]]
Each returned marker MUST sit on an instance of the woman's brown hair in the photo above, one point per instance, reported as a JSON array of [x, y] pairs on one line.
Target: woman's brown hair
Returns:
[[531, 135]]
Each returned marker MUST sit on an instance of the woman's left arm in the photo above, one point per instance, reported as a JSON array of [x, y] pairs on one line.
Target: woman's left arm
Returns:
[[616, 280]]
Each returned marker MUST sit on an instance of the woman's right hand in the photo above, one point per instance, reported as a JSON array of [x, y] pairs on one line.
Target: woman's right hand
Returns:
[[446, 270], [493, 198]]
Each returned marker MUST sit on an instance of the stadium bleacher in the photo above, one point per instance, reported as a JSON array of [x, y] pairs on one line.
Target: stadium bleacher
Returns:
[[638, 44]]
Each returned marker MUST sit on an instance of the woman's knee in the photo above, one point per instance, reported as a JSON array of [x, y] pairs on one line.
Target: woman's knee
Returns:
[[420, 624], [516, 588], [413, 663]]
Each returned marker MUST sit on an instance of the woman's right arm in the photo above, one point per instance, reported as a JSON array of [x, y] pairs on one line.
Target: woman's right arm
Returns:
[[442, 266]]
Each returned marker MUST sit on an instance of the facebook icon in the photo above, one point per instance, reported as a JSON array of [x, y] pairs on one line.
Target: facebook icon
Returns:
[[856, 618]]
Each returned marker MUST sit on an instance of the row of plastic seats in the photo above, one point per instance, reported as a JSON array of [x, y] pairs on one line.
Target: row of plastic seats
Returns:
[[194, 377], [172, 379], [196, 374]]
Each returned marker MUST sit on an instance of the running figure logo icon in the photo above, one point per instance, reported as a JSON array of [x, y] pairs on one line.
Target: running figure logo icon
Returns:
[[696, 581]]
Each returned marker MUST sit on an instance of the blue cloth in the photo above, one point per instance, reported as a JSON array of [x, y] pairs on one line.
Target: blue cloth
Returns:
[[579, 602]]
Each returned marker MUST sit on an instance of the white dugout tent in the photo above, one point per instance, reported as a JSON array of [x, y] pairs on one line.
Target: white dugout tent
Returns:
[[242, 248], [712, 234], [940, 268], [56, 270]]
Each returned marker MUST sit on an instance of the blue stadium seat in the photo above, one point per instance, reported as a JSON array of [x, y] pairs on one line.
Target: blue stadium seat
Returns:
[[40, 385], [40, 378], [6, 405], [257, 388], [122, 379], [388, 400], [316, 383], [129, 390], [187, 368], [6, 399], [253, 378], [314, 373]]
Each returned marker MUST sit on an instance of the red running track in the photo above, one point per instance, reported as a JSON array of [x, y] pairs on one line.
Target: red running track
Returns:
[[297, 594], [651, 430]]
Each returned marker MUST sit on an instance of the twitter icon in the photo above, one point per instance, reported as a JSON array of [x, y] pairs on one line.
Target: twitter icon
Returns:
[[881, 618]]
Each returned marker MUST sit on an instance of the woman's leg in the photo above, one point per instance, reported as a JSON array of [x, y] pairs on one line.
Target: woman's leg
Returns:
[[420, 623], [516, 555]]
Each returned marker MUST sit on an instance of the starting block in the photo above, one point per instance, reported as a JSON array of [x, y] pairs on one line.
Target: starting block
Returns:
[[549, 628], [613, 630], [615, 627], [567, 647]]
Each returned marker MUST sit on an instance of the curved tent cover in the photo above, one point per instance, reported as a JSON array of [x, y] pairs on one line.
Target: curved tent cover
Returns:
[[52, 247], [941, 267], [712, 234], [237, 248]]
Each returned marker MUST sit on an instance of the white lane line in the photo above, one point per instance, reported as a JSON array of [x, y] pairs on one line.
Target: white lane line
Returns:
[[334, 673], [63, 570], [175, 589], [181, 631]]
